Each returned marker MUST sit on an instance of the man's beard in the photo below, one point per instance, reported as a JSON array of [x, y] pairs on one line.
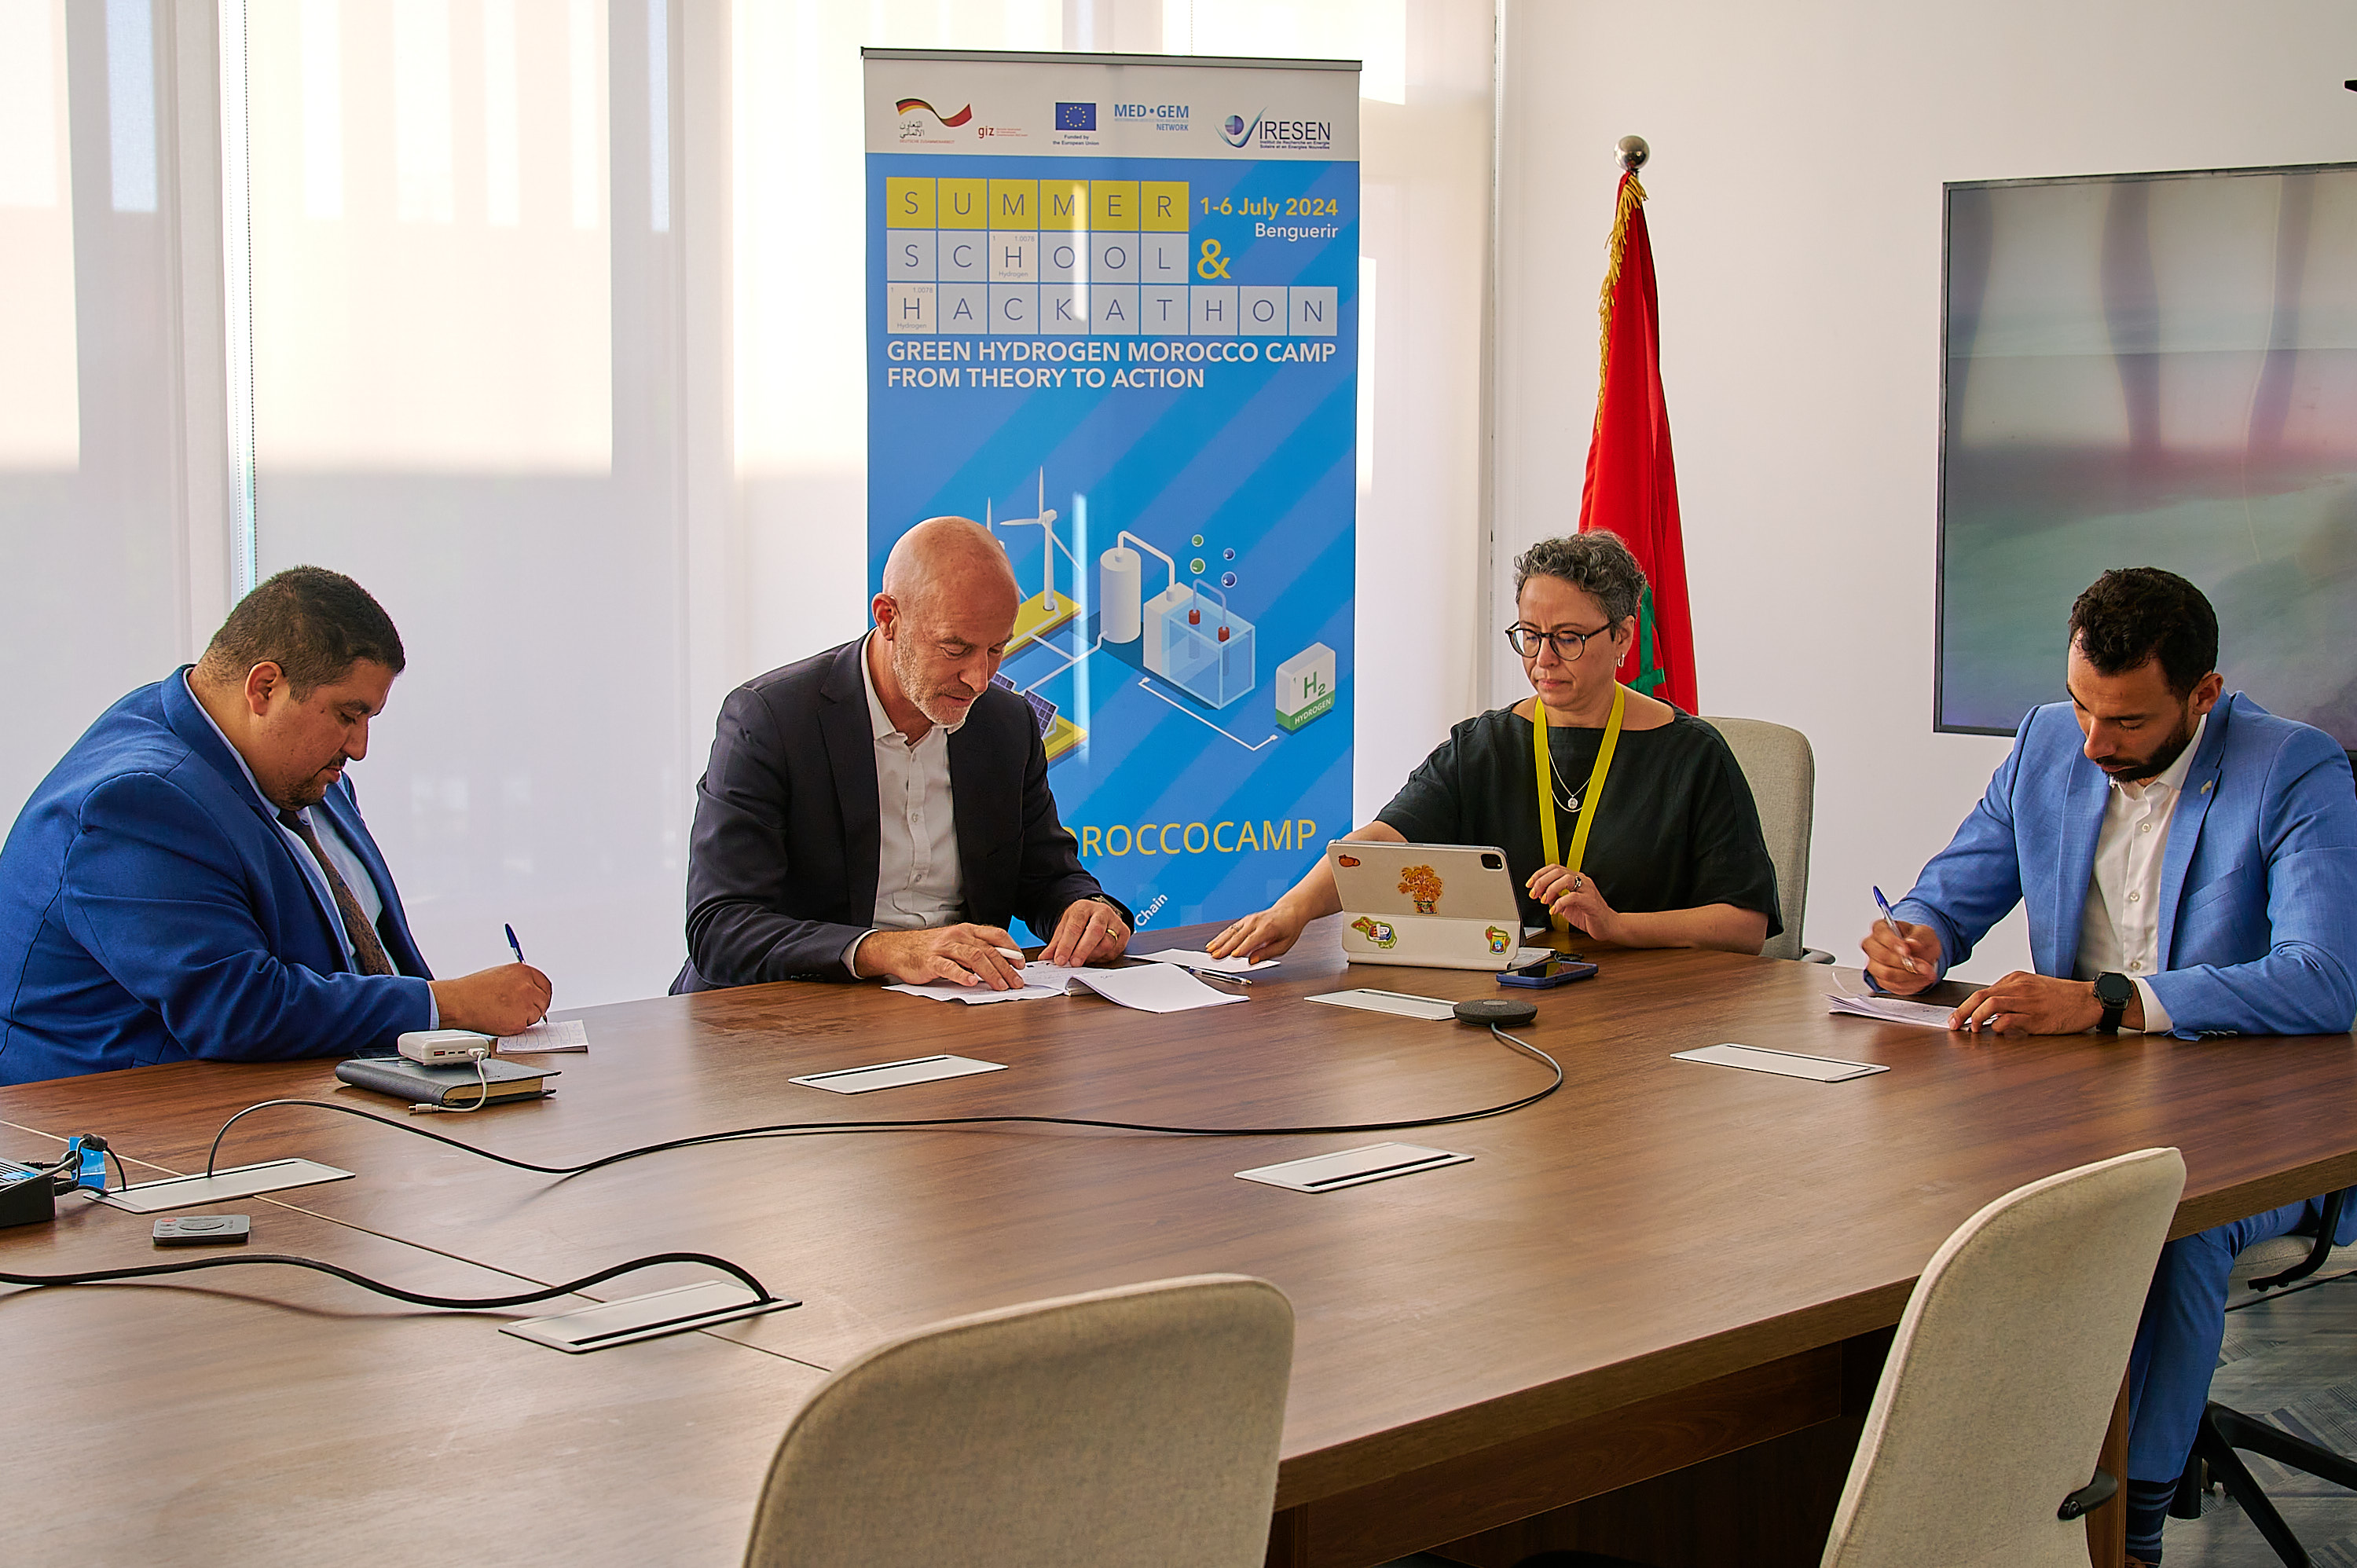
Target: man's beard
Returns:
[[2160, 761], [925, 698]]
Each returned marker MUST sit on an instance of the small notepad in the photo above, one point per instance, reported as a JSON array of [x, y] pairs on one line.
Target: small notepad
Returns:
[[548, 1034], [1890, 1009], [1786, 1064]]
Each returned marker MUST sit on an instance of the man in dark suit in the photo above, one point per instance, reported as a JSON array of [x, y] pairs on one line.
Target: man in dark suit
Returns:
[[881, 809], [194, 879]]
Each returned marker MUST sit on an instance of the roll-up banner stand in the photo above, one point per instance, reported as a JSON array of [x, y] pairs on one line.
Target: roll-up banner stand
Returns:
[[1113, 314]]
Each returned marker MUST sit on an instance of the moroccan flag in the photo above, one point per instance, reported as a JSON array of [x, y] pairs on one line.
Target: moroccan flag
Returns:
[[1632, 487]]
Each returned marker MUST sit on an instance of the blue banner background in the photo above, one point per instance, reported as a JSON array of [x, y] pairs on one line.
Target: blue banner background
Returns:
[[1184, 811]]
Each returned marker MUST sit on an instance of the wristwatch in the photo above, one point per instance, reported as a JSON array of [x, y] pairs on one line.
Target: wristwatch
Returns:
[[2115, 992]]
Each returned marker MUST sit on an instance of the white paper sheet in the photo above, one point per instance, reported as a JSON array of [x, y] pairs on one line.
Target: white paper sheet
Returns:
[[548, 1034], [976, 996], [1890, 1009], [1195, 958], [1152, 988], [1148, 987], [1397, 1003]]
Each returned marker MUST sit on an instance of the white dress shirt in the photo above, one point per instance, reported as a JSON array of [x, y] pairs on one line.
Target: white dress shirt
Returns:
[[2120, 933], [919, 883]]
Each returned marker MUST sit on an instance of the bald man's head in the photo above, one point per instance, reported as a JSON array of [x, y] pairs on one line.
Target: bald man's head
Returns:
[[953, 553], [944, 616]]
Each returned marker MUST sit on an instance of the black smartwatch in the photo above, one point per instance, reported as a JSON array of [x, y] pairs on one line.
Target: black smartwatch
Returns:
[[2115, 992]]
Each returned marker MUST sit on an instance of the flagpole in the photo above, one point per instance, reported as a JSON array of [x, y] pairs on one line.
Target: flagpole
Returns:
[[1632, 152]]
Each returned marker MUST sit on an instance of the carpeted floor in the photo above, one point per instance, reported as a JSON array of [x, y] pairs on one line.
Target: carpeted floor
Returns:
[[2291, 1359]]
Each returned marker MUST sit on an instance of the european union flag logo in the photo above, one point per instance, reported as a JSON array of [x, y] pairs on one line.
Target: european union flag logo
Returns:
[[1076, 116]]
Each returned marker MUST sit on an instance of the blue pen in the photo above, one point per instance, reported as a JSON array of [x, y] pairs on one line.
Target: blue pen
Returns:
[[516, 947], [1884, 904]]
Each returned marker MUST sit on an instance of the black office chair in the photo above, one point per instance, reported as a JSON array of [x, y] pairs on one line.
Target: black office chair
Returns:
[[2224, 1431]]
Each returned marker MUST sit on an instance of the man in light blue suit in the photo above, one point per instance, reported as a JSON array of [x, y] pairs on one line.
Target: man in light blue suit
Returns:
[[2189, 866], [194, 879]]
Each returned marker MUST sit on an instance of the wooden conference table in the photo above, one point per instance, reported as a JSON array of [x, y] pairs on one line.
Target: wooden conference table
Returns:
[[1645, 1319]]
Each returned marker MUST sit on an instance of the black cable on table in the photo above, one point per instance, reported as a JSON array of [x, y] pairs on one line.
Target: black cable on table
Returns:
[[785, 1129], [148, 1271]]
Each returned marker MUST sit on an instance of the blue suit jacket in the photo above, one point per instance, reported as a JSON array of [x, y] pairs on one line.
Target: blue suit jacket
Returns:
[[151, 910], [2258, 889]]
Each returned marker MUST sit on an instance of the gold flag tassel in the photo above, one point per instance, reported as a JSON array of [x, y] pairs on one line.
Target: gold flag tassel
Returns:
[[1632, 194]]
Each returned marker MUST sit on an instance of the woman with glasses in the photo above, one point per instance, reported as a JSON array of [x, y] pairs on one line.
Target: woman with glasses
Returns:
[[1675, 857]]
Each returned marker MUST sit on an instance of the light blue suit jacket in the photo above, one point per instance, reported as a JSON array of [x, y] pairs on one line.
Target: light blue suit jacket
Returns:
[[2258, 889]]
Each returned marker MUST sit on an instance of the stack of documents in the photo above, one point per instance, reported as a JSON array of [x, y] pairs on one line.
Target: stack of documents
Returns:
[[1890, 1009], [1148, 987]]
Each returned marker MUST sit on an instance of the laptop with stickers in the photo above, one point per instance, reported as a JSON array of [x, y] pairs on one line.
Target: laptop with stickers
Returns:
[[1433, 905]]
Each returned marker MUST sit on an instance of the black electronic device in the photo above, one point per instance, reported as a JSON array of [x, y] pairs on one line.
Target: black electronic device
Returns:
[[1503, 1012], [2115, 992], [2057, 289], [204, 1231], [1556, 968], [27, 1196]]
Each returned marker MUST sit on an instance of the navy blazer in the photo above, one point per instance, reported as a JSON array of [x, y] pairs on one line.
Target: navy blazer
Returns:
[[152, 910], [781, 869], [2258, 888]]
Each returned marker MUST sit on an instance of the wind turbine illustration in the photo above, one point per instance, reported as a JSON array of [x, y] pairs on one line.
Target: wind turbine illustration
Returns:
[[1043, 612]]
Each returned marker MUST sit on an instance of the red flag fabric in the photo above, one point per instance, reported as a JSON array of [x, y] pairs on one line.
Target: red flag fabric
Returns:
[[1632, 485]]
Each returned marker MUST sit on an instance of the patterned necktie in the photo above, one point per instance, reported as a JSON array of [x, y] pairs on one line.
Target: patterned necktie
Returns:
[[368, 952]]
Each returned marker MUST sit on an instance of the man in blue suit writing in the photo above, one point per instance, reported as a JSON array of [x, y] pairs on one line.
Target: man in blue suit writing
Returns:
[[194, 879], [2190, 864]]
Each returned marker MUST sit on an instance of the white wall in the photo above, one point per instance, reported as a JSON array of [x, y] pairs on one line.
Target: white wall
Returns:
[[1798, 155]]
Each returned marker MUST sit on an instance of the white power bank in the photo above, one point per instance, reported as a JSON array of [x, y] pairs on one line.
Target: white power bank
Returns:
[[436, 1046]]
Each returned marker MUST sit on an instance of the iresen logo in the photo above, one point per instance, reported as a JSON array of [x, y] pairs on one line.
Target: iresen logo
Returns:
[[1237, 132], [960, 118]]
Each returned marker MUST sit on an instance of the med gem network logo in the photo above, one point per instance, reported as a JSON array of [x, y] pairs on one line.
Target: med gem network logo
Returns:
[[1076, 116]]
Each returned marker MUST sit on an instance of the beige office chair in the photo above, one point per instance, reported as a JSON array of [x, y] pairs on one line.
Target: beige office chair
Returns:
[[1783, 773], [1128, 1428], [1999, 1387]]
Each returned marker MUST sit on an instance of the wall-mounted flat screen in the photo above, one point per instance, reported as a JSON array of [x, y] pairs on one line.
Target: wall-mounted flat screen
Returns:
[[2152, 370]]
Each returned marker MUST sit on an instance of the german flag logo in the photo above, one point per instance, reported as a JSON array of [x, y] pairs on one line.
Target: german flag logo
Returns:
[[960, 118]]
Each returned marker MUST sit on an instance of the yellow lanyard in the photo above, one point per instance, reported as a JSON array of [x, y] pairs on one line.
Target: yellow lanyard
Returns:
[[1595, 777]]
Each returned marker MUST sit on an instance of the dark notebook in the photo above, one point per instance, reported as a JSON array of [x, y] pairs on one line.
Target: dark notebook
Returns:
[[449, 1084]]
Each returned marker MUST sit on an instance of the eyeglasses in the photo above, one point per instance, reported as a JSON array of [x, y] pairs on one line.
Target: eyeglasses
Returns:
[[1569, 645]]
